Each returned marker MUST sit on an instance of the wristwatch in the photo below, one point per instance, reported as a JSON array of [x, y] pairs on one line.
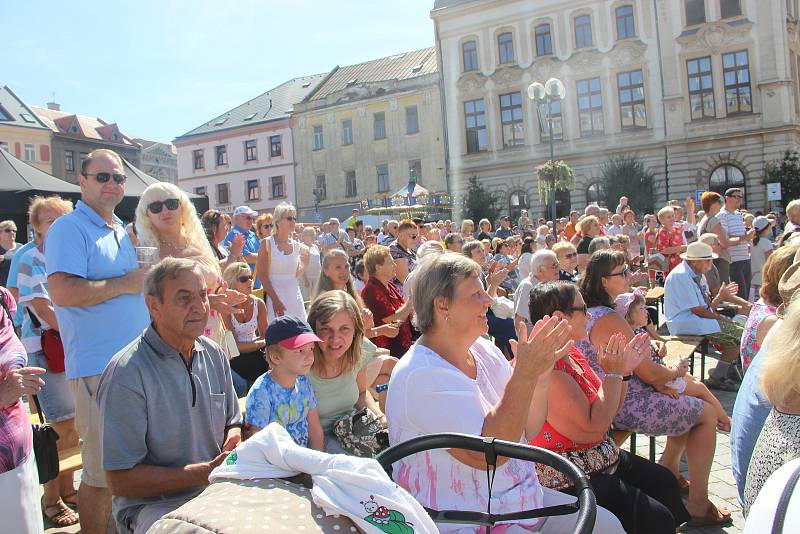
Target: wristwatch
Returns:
[[615, 375]]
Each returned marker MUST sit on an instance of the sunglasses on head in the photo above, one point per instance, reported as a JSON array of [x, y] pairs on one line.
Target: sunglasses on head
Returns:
[[103, 177], [171, 204], [584, 309], [245, 278]]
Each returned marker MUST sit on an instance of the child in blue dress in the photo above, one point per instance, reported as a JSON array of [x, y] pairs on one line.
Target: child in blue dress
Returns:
[[284, 394]]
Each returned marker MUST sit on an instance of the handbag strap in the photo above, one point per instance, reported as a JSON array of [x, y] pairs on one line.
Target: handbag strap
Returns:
[[39, 410], [783, 502], [5, 307]]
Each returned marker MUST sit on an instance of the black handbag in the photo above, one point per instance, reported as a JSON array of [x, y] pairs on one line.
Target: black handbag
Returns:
[[45, 447], [45, 437]]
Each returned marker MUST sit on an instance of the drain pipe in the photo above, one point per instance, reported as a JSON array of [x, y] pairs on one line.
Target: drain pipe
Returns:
[[443, 106], [663, 94]]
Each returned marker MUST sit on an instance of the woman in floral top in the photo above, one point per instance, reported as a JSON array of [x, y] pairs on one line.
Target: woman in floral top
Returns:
[[763, 314], [385, 301], [669, 240]]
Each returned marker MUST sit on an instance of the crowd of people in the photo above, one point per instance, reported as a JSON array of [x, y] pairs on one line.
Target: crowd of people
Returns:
[[531, 331]]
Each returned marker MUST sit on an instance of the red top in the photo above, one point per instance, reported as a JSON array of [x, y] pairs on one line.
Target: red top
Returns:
[[384, 301], [587, 379], [673, 238]]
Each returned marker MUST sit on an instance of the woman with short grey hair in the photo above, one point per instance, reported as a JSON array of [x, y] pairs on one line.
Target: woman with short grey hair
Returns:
[[454, 380]]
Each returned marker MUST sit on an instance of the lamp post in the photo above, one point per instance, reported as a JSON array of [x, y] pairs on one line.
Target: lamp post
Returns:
[[317, 198], [544, 95]]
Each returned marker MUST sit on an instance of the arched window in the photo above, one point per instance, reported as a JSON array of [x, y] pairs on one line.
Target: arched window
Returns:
[[595, 194], [517, 201], [727, 176]]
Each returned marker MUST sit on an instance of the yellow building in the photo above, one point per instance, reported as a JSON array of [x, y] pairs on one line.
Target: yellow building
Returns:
[[22, 134], [365, 130]]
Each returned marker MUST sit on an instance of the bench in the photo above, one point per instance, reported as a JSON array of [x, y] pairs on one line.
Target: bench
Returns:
[[655, 297]]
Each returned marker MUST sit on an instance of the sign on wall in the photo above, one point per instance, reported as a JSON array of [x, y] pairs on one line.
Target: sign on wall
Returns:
[[774, 191]]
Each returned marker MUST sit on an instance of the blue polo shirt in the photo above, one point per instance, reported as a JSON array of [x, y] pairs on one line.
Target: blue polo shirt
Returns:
[[82, 244], [251, 246]]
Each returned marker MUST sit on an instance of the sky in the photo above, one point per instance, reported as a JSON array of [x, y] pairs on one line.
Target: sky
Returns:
[[160, 68]]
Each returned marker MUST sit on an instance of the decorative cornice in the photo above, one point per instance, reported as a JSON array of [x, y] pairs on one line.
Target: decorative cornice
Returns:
[[715, 37], [543, 69], [471, 82], [627, 53], [586, 60], [507, 76]]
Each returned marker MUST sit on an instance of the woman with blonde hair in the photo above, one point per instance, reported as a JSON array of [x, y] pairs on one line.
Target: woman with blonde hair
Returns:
[[166, 219], [8, 247], [248, 324], [485, 227], [281, 262], [468, 229], [779, 441], [339, 374], [263, 225]]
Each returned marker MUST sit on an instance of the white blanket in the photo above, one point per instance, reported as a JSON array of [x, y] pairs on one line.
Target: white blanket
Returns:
[[358, 488]]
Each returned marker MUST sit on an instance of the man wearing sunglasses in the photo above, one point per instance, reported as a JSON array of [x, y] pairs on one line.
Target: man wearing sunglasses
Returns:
[[96, 286], [243, 219]]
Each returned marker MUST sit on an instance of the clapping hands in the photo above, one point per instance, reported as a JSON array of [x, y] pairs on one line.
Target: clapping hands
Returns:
[[537, 350]]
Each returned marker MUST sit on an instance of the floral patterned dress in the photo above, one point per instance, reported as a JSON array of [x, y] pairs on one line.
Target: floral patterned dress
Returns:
[[749, 346], [650, 412], [665, 239]]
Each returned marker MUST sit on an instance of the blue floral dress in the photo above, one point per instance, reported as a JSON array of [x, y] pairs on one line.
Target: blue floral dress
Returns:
[[645, 411]]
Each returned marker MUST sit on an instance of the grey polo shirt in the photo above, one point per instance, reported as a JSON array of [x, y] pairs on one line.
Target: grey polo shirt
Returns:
[[156, 409]]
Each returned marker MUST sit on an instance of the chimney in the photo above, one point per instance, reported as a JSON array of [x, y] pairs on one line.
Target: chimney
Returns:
[[54, 106]]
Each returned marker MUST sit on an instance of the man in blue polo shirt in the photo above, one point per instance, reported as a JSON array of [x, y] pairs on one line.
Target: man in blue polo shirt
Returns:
[[96, 286], [243, 219]]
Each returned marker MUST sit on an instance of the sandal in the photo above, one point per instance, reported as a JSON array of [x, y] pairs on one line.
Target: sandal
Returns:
[[723, 384], [71, 500], [62, 516], [714, 517]]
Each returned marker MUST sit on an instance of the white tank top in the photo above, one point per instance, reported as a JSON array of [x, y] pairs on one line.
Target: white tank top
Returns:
[[246, 332]]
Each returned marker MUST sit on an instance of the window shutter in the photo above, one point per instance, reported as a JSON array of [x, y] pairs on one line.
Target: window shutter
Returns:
[[44, 152]]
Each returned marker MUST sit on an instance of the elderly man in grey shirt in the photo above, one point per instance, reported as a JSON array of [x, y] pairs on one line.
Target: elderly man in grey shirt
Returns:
[[168, 410]]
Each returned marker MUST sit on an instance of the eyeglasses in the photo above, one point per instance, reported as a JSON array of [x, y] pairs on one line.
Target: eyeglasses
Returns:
[[571, 255], [245, 278], [584, 309], [267, 225], [10, 231], [414, 236], [623, 273], [171, 204], [103, 177], [736, 196]]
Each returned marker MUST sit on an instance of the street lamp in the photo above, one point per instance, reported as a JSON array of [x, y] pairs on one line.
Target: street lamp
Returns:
[[544, 95], [318, 194]]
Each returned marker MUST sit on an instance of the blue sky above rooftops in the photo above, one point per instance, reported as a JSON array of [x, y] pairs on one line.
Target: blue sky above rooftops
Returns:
[[161, 68]]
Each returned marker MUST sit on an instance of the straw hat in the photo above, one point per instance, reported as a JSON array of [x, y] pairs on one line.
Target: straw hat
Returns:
[[698, 251]]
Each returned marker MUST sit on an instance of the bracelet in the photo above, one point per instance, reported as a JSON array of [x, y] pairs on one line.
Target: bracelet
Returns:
[[626, 378], [615, 375]]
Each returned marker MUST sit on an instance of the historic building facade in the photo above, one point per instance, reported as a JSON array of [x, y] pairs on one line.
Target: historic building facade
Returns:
[[22, 133], [366, 130], [705, 92], [245, 156], [159, 160], [74, 136]]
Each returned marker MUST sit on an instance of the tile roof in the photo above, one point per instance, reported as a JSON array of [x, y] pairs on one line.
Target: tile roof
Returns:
[[397, 67], [62, 122], [13, 111], [277, 103]]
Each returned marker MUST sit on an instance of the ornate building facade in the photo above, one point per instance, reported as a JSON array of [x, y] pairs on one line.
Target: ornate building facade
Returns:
[[705, 92], [159, 160]]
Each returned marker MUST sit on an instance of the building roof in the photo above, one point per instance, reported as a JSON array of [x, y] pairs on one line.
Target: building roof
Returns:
[[277, 103], [397, 67], [81, 126], [13, 111]]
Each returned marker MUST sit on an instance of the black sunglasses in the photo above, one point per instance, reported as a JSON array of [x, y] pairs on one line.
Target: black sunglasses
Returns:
[[171, 204], [103, 177], [571, 255], [290, 218], [245, 278], [623, 273], [584, 309], [10, 231]]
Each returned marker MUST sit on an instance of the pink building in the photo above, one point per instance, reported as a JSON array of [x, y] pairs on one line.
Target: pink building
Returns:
[[245, 156]]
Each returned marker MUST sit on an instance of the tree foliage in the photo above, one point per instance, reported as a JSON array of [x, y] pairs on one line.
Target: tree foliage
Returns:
[[627, 176], [479, 202], [785, 171]]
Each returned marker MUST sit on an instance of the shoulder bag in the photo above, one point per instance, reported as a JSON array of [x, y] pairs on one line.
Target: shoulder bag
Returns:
[[260, 293], [45, 437], [603, 457], [52, 347], [361, 433]]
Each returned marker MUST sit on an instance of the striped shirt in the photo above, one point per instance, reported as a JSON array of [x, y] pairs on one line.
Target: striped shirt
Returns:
[[733, 223], [32, 284]]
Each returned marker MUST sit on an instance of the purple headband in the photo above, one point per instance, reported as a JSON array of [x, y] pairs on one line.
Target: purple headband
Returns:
[[624, 301]]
